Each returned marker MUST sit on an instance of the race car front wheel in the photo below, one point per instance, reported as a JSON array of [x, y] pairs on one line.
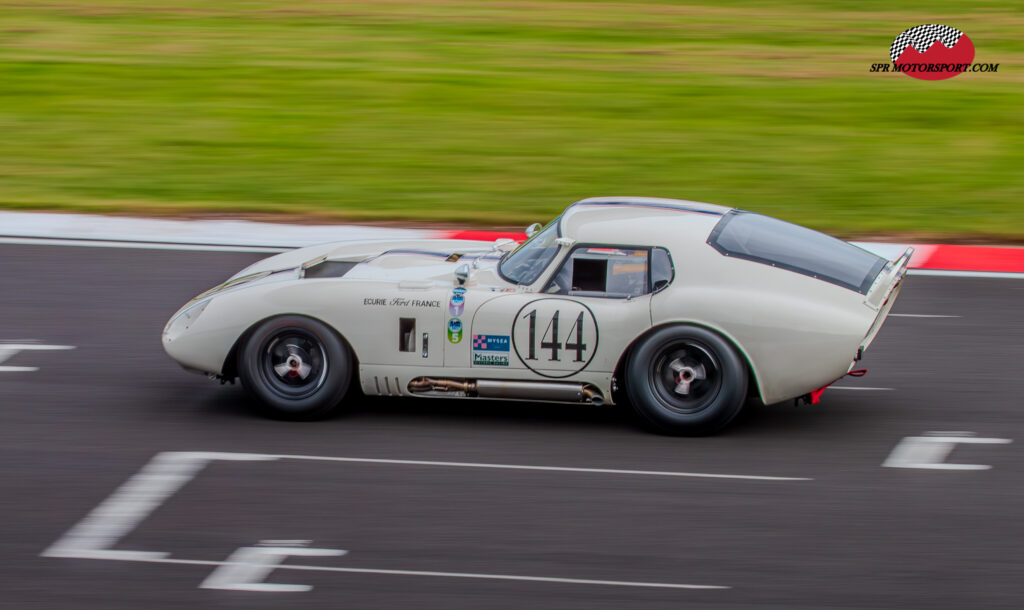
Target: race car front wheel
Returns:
[[297, 367], [686, 380]]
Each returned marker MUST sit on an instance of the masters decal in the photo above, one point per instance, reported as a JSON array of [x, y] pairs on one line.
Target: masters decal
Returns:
[[485, 359], [491, 350]]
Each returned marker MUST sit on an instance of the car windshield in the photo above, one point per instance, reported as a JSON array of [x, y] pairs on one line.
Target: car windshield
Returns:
[[525, 264]]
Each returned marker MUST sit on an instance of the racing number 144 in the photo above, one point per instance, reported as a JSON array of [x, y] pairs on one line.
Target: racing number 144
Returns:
[[554, 345]]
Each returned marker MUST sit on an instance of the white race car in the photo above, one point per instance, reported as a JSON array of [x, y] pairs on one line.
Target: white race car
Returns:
[[690, 308]]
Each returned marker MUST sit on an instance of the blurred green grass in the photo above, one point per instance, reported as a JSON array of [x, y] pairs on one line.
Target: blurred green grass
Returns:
[[501, 113]]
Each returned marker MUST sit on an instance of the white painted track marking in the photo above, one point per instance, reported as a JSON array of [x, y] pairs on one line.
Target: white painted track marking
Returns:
[[246, 568], [862, 389], [21, 347], [167, 472], [247, 236], [1006, 275], [551, 579], [920, 315], [138, 245], [216, 232], [139, 496], [929, 452], [656, 473], [9, 350]]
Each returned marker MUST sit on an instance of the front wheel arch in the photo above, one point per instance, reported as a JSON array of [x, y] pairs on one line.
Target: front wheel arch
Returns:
[[229, 370], [264, 353]]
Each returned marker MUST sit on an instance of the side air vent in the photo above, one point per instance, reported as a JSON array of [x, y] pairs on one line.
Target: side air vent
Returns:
[[407, 334], [329, 269]]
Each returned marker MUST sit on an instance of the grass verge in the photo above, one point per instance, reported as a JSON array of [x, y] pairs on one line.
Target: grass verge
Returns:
[[501, 113]]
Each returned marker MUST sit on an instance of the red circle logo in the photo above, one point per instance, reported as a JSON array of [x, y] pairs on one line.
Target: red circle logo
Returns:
[[932, 52]]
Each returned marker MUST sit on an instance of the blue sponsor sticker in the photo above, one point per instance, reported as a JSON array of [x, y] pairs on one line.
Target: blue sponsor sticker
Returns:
[[456, 305], [491, 343]]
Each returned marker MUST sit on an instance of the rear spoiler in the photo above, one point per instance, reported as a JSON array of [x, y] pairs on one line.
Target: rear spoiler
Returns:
[[883, 292]]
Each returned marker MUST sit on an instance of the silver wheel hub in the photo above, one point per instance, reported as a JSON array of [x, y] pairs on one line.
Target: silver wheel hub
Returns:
[[685, 373], [294, 366]]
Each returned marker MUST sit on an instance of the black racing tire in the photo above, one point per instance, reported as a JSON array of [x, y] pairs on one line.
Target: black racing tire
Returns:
[[273, 361], [686, 380]]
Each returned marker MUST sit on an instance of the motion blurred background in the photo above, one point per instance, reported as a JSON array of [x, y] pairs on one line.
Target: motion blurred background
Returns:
[[501, 113]]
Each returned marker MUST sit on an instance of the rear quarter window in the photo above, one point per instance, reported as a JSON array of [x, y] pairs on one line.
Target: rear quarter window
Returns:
[[774, 242]]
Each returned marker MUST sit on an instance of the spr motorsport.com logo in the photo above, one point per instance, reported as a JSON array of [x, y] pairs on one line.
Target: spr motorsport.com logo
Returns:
[[933, 52]]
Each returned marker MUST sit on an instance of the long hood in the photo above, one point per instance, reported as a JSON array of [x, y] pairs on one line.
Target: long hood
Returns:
[[391, 254]]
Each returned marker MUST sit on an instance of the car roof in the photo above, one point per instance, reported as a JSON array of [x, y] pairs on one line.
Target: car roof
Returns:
[[640, 220]]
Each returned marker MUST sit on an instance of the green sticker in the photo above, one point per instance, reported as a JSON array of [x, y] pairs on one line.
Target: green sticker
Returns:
[[455, 330]]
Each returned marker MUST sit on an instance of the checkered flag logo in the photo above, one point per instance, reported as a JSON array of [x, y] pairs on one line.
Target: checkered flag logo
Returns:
[[922, 37], [479, 341]]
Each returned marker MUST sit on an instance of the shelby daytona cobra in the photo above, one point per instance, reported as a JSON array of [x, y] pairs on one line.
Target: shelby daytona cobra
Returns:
[[688, 308]]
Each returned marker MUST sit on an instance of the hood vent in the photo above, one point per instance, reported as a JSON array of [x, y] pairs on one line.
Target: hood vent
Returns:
[[329, 269]]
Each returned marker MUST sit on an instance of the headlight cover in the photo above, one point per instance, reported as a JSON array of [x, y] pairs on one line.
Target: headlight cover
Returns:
[[184, 320]]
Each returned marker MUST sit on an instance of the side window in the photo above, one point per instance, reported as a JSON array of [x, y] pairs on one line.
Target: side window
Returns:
[[662, 269], [603, 272]]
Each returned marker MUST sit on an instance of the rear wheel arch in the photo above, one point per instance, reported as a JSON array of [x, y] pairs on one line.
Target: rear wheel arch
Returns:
[[685, 379], [753, 385]]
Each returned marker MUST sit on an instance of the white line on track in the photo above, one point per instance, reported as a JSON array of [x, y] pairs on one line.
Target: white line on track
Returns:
[[920, 315], [169, 471], [20, 347], [10, 349], [138, 245], [551, 579], [94, 536], [984, 274], [344, 232], [657, 473], [930, 451], [861, 388]]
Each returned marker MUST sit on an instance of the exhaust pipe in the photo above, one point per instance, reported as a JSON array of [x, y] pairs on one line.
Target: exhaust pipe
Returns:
[[512, 390]]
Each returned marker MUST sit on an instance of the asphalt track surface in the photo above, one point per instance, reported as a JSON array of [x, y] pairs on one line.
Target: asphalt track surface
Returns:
[[848, 533]]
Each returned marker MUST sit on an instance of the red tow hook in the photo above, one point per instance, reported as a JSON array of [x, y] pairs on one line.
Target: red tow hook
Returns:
[[814, 397]]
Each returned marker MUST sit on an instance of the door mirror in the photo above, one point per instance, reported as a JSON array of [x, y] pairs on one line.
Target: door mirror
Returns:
[[462, 273], [530, 230]]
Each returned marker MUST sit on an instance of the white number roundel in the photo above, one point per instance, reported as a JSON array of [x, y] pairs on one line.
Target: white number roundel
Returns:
[[555, 337]]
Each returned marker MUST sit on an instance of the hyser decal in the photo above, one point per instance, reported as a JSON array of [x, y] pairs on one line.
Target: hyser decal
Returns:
[[491, 350], [455, 330], [555, 337]]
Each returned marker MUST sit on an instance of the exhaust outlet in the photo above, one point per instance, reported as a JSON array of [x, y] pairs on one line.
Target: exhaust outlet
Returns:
[[530, 390], [508, 390]]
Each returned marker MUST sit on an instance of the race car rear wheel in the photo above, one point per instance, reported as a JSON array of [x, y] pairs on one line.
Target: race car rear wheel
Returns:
[[297, 367], [686, 380]]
